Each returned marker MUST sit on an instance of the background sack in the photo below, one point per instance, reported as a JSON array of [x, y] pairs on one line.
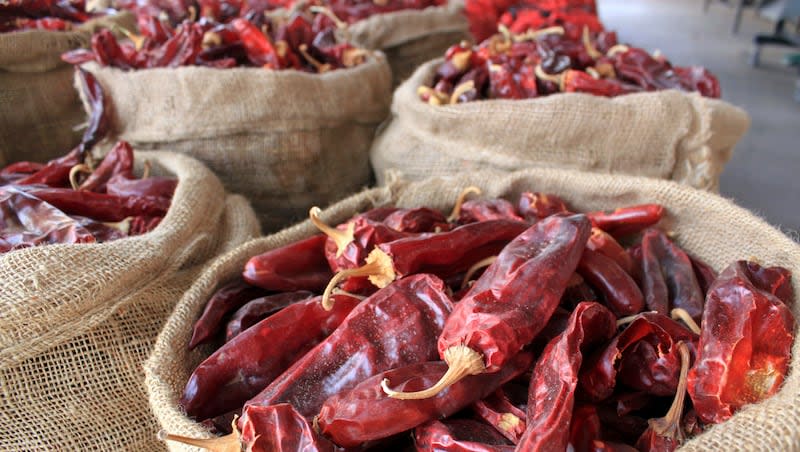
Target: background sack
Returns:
[[286, 140], [78, 321], [412, 37], [705, 224], [39, 108], [664, 134]]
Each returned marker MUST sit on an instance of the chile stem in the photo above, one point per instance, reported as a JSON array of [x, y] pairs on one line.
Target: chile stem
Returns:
[[669, 425], [379, 269], [461, 360], [475, 267], [227, 443], [341, 238], [587, 43], [683, 315], [460, 200], [73, 174]]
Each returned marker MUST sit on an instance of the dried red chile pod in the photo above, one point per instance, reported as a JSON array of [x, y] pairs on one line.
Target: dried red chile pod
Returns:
[[459, 435], [405, 317], [260, 308], [241, 368], [227, 299], [100, 206], [552, 389], [498, 411], [620, 292], [366, 413], [511, 302], [584, 428], [476, 210], [747, 360], [627, 220], [296, 266]]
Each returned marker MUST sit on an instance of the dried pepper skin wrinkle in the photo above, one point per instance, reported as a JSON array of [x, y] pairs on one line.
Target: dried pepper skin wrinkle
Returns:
[[297, 266], [226, 299], [458, 435], [555, 377], [745, 344]]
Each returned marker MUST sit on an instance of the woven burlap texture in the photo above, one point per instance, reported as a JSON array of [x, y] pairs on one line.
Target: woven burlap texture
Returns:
[[705, 224], [77, 322], [411, 37], [284, 139], [666, 134], [39, 109]]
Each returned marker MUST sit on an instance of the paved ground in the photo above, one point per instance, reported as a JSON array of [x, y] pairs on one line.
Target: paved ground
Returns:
[[763, 173]]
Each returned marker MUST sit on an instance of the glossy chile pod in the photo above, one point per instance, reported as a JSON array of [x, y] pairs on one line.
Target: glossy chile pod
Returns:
[[227, 299], [510, 303], [747, 360], [644, 356], [459, 435], [365, 413], [394, 327], [443, 254], [119, 160], [54, 174], [241, 368], [476, 210], [619, 290], [273, 428], [296, 266], [665, 434], [627, 220], [603, 243], [551, 396], [260, 308], [420, 219], [100, 206], [535, 206]]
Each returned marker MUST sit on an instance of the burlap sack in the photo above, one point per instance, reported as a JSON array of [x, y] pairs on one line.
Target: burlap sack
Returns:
[[412, 37], [39, 109], [78, 321], [666, 134], [705, 224], [284, 139]]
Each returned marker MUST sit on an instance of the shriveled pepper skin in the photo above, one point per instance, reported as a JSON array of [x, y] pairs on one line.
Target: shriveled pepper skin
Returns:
[[683, 289], [394, 327], [227, 299], [515, 297], [366, 413], [745, 344], [620, 291], [555, 377], [241, 368], [260, 308], [100, 206], [487, 209], [653, 368], [535, 206], [296, 266], [458, 435], [417, 220], [498, 411], [280, 428]]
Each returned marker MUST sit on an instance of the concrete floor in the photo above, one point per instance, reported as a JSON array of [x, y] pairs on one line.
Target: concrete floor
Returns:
[[763, 173]]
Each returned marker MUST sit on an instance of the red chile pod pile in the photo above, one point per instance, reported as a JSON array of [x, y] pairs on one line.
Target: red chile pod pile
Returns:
[[549, 47], [507, 325], [53, 15]]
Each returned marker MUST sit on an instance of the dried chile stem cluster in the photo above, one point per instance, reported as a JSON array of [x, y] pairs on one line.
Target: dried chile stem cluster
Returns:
[[503, 326]]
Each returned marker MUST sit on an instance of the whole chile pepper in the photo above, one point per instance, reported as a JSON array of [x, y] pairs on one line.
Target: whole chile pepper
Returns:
[[698, 79], [511, 302], [443, 254], [417, 220], [498, 411], [459, 435], [404, 318], [227, 299], [476, 210], [100, 206], [274, 428], [260, 51], [260, 308], [603, 243], [619, 290], [119, 160], [704, 273], [666, 433], [584, 428], [775, 280], [365, 413], [296, 266], [581, 82], [653, 369], [241, 368], [676, 267], [747, 360], [552, 388], [535, 206], [654, 285], [627, 220], [54, 174]]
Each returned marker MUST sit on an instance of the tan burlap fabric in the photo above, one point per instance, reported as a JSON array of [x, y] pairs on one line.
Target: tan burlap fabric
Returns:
[[78, 321], [412, 37], [284, 139], [666, 135], [705, 224], [39, 108]]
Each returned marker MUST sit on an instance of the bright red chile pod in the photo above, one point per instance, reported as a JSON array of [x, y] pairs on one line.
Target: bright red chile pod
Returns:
[[555, 377], [260, 308], [620, 291], [394, 327], [366, 413], [511, 302], [627, 220], [241, 368], [227, 299], [745, 343], [296, 266]]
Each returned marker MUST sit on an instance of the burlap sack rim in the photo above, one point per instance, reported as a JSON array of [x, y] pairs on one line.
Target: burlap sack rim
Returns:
[[272, 116], [47, 46], [197, 188], [163, 399], [381, 31]]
